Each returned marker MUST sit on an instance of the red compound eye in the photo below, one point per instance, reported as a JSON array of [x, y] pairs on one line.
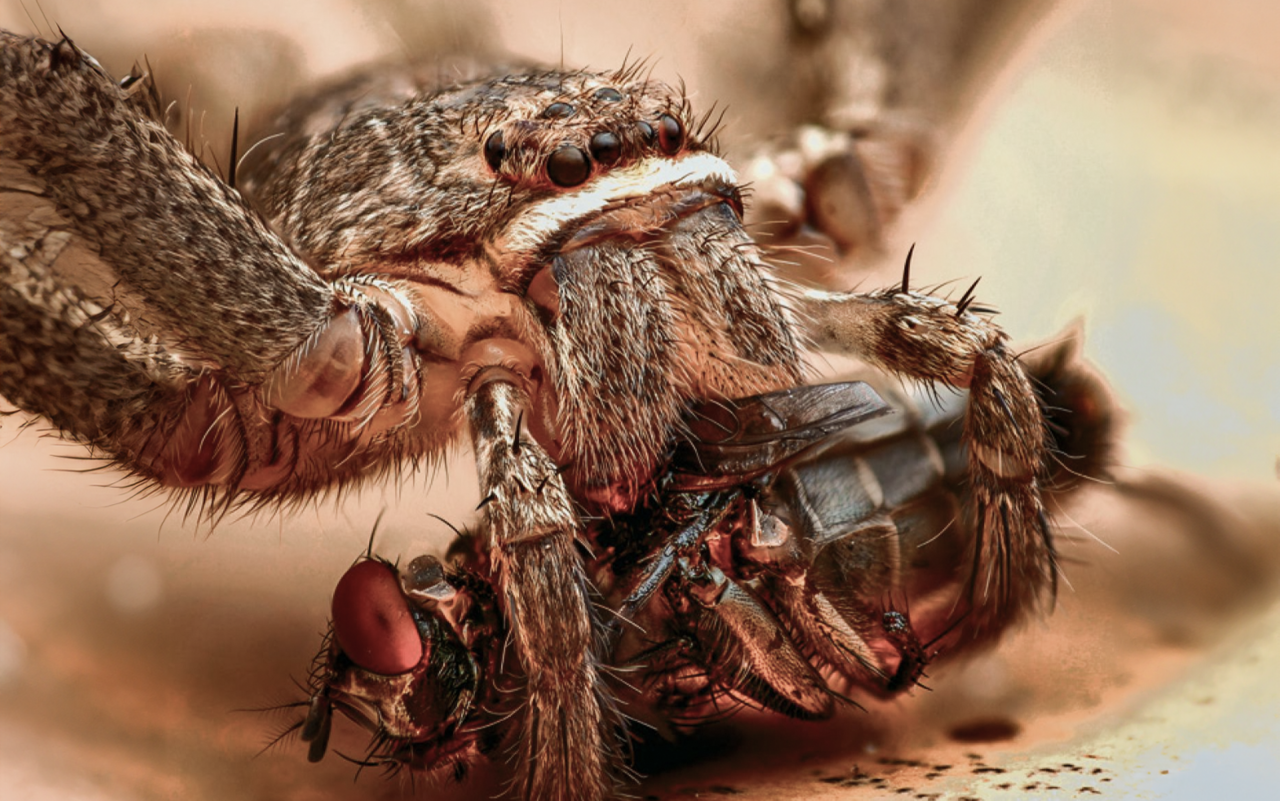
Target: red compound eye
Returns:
[[372, 622]]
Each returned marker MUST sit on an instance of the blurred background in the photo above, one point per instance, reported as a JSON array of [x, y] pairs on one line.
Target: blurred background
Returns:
[[1120, 168]]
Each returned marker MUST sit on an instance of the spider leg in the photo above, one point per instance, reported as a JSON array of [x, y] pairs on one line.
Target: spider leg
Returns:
[[567, 748], [930, 340], [872, 97], [147, 310]]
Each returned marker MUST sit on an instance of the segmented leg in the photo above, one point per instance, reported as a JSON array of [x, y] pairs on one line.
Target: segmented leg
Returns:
[[870, 95], [743, 645], [149, 312], [567, 749], [932, 340]]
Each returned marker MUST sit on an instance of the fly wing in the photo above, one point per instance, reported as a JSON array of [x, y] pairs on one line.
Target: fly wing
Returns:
[[731, 442]]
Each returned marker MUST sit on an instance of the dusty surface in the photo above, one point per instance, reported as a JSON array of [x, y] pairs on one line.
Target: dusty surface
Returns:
[[1127, 172]]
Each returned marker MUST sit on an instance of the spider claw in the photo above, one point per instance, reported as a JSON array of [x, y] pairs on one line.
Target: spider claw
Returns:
[[235, 147], [967, 297], [906, 270]]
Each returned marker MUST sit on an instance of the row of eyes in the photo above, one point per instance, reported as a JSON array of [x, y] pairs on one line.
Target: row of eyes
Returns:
[[570, 165]]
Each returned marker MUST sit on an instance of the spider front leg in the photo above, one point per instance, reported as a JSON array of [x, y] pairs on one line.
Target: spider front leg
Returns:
[[932, 340], [149, 312], [566, 749]]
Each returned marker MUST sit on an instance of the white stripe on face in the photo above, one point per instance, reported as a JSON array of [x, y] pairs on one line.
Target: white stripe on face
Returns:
[[535, 225]]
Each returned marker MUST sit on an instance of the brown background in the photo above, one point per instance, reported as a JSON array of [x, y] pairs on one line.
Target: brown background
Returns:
[[1125, 172]]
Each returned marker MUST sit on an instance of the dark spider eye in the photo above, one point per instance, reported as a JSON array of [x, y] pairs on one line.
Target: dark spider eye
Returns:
[[608, 94], [606, 148], [670, 134], [646, 132], [495, 150], [372, 621], [558, 111], [568, 166]]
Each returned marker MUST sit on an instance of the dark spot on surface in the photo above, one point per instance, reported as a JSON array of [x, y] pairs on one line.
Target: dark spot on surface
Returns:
[[568, 166], [988, 769], [608, 94], [670, 134], [606, 148], [495, 150], [558, 111], [856, 778], [910, 763], [989, 730]]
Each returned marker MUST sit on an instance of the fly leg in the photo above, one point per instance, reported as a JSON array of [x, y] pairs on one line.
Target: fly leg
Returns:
[[743, 647], [706, 512], [566, 749], [830, 618]]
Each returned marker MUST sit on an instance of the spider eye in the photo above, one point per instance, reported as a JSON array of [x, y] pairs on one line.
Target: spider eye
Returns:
[[558, 111], [670, 134], [647, 135], [606, 148], [372, 621], [568, 166], [495, 150]]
